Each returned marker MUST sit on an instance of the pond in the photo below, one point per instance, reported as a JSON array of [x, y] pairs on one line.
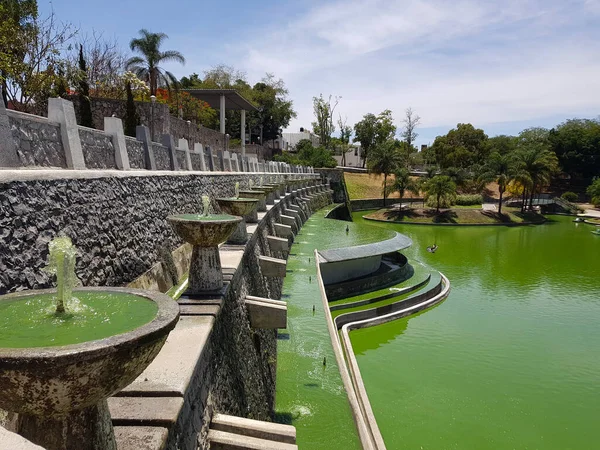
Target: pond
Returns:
[[511, 360]]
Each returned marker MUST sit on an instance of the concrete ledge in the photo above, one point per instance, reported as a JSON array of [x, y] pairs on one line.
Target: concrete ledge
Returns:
[[141, 438], [254, 428], [153, 411], [171, 371], [288, 220], [278, 244], [272, 267], [283, 230], [221, 440], [266, 313]]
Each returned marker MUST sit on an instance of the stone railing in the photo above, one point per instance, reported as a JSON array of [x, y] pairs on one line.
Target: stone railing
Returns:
[[57, 141]]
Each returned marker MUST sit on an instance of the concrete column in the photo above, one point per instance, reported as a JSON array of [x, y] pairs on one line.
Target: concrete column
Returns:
[[114, 127], [8, 150], [63, 112], [222, 114], [142, 134], [183, 145], [243, 137], [227, 161], [211, 158], [168, 141], [198, 149], [220, 161]]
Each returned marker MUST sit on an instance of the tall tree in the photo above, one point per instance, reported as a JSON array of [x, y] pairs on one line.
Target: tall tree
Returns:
[[30, 54], [385, 159], [374, 130], [499, 168], [411, 122], [462, 147], [403, 182], [440, 186], [535, 162], [323, 125], [576, 143], [147, 66], [85, 105], [132, 119], [345, 134]]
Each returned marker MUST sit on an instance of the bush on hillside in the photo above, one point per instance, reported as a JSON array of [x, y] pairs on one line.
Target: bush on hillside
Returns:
[[469, 199], [569, 196]]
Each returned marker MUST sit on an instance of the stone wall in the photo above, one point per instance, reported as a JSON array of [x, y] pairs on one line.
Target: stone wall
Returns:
[[135, 152], [336, 182], [161, 156], [98, 149], [116, 221], [38, 141]]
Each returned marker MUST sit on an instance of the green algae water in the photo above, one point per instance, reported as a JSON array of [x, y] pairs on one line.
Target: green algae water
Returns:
[[311, 396], [511, 360], [32, 321]]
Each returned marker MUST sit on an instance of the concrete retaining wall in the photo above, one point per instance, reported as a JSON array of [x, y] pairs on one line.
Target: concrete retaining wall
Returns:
[[115, 218]]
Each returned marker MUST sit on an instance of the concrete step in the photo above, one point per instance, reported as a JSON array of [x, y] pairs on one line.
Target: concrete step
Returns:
[[222, 440], [254, 428]]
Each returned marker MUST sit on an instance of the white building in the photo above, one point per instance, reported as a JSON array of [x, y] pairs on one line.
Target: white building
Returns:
[[353, 157], [291, 139]]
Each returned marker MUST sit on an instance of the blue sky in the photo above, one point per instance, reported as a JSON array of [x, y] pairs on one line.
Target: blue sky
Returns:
[[501, 66]]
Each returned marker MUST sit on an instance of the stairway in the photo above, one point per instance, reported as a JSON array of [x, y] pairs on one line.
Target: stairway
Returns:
[[237, 433]]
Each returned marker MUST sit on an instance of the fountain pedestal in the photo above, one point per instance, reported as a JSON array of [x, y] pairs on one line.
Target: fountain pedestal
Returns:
[[238, 207], [205, 233]]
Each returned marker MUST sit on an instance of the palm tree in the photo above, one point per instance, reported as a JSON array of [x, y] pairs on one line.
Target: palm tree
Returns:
[[501, 169], [384, 159], [442, 187], [147, 66], [403, 183], [535, 167]]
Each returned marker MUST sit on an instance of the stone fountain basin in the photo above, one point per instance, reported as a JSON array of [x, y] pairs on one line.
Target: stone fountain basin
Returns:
[[254, 193], [204, 231], [237, 206], [52, 381]]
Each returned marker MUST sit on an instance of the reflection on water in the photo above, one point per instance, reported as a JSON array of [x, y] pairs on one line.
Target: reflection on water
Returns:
[[510, 359]]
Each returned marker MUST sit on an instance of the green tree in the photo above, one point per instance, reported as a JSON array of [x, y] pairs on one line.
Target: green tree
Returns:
[[132, 119], [323, 125], [499, 168], [440, 186], [85, 105], [576, 143], [308, 155], [385, 159], [462, 147], [374, 130], [147, 66], [593, 191], [403, 182], [535, 162], [501, 144], [31, 49], [345, 135]]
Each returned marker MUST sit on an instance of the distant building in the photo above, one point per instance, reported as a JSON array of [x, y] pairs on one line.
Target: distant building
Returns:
[[291, 139], [353, 157]]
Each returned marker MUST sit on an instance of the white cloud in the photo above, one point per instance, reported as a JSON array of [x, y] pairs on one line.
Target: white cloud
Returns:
[[452, 62]]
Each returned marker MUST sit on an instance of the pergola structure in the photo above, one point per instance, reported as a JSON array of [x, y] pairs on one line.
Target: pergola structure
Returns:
[[224, 99]]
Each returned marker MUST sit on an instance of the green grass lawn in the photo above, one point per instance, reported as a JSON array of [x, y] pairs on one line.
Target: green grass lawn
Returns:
[[464, 215]]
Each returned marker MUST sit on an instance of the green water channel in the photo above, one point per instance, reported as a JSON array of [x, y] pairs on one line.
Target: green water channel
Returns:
[[33, 322], [311, 396], [511, 360]]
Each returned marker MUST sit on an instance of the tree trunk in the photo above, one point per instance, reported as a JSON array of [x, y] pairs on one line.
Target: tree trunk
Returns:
[[438, 204], [523, 200], [533, 188], [384, 188], [500, 202]]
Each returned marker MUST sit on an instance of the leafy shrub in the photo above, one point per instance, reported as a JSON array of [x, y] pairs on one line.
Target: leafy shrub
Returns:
[[569, 196], [445, 202], [469, 199]]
